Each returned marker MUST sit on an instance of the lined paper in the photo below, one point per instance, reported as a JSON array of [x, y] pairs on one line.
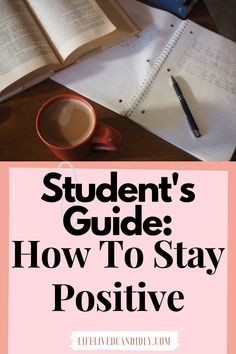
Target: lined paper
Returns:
[[205, 67], [204, 64]]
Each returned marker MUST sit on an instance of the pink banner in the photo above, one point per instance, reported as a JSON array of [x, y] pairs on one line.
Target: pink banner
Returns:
[[128, 257]]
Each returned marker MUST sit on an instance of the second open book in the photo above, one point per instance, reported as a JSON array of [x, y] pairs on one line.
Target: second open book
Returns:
[[133, 79]]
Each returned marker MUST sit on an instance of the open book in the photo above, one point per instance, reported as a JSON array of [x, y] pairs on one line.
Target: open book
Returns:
[[134, 80], [38, 37]]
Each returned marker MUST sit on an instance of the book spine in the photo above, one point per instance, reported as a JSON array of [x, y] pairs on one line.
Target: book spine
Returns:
[[177, 7], [146, 84]]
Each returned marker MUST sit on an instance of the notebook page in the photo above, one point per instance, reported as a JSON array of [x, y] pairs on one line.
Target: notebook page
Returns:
[[113, 76], [204, 65]]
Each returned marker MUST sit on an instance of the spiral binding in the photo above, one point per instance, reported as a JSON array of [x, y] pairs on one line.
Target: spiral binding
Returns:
[[144, 87]]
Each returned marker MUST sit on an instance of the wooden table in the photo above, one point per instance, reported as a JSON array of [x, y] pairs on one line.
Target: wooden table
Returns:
[[19, 141]]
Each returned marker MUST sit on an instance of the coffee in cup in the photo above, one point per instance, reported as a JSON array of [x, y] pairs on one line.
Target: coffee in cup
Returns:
[[67, 124]]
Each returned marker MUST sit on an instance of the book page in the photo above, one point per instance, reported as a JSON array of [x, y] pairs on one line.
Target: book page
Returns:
[[113, 77], [204, 65], [23, 48], [70, 24], [117, 16]]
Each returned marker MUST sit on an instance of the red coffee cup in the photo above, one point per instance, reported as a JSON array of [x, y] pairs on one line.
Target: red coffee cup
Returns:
[[67, 124]]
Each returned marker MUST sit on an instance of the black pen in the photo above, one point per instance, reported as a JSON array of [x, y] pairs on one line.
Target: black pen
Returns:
[[189, 116]]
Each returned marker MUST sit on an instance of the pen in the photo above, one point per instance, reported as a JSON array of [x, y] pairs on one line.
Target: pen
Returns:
[[189, 116]]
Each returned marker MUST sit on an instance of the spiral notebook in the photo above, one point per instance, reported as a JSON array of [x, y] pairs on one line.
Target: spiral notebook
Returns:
[[133, 79]]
